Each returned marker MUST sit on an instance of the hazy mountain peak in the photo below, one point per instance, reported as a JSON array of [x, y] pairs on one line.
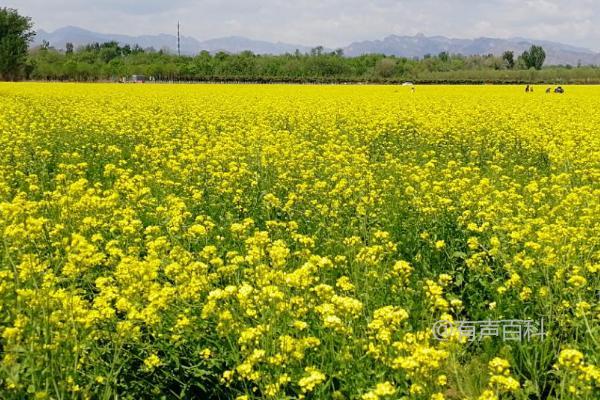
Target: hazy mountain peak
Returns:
[[420, 45]]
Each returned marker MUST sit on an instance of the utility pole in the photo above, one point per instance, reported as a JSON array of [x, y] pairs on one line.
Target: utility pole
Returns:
[[178, 41]]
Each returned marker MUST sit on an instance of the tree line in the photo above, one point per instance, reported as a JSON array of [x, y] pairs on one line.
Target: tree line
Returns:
[[112, 61]]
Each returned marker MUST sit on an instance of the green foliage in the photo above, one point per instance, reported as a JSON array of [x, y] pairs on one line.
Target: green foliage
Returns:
[[385, 67], [111, 61], [509, 59], [534, 57], [15, 35]]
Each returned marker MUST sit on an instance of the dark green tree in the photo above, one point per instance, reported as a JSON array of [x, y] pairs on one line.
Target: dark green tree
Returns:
[[508, 57], [69, 48], [316, 51], [534, 57], [15, 34]]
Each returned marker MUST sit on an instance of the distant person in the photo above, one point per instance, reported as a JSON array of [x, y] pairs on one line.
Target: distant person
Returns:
[[531, 89], [549, 90], [413, 89], [527, 89], [559, 89]]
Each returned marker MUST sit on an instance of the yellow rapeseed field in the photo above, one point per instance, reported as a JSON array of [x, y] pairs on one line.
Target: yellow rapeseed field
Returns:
[[290, 242]]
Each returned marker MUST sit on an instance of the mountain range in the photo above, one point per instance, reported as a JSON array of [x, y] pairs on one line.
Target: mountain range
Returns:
[[189, 45], [405, 46]]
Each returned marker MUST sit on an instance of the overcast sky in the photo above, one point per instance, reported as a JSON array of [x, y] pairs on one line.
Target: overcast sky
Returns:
[[332, 23]]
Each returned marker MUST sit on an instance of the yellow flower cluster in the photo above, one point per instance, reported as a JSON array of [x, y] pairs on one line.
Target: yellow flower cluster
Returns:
[[579, 378], [283, 242]]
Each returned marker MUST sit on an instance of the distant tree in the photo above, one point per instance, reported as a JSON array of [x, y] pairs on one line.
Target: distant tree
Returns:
[[247, 53], [317, 51], [339, 52], [538, 55], [508, 57], [45, 45], [534, 57], [221, 56], [109, 60], [109, 53], [15, 34], [385, 67], [136, 49], [69, 47], [444, 56]]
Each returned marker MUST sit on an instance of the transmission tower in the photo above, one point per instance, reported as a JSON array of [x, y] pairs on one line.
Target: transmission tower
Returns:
[[178, 41]]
